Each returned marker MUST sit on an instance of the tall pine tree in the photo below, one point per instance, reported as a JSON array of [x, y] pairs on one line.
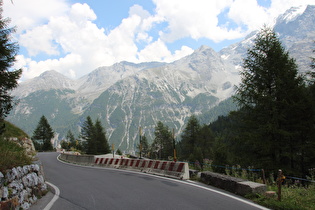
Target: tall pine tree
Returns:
[[87, 134], [43, 134], [273, 102], [196, 141], [8, 77], [190, 138], [102, 146], [162, 145]]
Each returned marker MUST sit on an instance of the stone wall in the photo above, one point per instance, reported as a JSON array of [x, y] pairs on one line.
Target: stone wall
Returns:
[[20, 187]]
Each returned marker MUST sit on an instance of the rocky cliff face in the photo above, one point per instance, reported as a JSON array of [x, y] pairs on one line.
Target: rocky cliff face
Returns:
[[170, 93], [296, 30]]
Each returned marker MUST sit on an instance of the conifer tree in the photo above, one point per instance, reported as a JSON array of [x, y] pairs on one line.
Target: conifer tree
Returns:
[[313, 60], [8, 77], [190, 138], [102, 146], [43, 134], [144, 146], [273, 101], [71, 139], [87, 134], [196, 141], [162, 145]]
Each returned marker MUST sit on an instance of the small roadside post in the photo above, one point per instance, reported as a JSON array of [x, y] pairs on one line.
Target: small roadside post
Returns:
[[140, 146], [113, 149], [279, 182], [175, 158]]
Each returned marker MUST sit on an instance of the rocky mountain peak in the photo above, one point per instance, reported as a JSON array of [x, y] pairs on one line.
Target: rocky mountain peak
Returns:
[[291, 14], [297, 21], [45, 81], [128, 95]]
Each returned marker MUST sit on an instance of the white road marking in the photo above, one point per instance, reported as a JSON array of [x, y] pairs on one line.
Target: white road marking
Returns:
[[55, 198]]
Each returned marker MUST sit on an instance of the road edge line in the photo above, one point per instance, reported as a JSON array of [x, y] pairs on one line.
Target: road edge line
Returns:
[[55, 198]]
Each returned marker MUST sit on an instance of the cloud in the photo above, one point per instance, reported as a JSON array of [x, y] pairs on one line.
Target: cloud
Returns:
[[68, 65], [196, 19], [75, 45], [83, 46], [31, 13], [199, 18], [74, 37], [249, 14], [158, 51], [39, 40], [252, 16], [280, 6]]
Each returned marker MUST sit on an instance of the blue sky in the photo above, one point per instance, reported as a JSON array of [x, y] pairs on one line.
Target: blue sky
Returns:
[[74, 37]]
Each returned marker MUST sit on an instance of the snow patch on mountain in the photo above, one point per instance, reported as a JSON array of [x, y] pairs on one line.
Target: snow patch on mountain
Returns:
[[292, 14]]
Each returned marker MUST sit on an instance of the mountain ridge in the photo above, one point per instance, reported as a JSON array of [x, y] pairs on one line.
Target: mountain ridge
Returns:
[[128, 95]]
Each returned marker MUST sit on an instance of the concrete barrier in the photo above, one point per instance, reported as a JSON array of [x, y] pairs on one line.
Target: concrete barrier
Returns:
[[177, 170], [232, 184], [79, 159]]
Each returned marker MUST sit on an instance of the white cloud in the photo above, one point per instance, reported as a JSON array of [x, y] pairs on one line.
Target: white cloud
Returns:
[[196, 19], [39, 40], [249, 14], [70, 65], [85, 47], [74, 36], [156, 51], [280, 6], [82, 13], [184, 51], [253, 16], [29, 13], [199, 18], [69, 32], [139, 11]]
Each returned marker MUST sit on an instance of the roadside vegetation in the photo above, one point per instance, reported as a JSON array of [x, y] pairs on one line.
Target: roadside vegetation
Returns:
[[293, 198], [11, 154]]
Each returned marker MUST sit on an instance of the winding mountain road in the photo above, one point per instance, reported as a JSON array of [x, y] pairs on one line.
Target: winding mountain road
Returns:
[[102, 188]]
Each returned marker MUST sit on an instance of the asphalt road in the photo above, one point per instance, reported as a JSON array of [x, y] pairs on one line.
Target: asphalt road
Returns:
[[100, 188]]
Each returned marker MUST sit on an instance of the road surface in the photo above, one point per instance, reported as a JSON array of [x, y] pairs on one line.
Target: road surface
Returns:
[[101, 188]]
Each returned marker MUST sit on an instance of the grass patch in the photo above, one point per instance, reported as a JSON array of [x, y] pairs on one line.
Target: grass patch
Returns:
[[12, 155], [13, 131], [292, 198]]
